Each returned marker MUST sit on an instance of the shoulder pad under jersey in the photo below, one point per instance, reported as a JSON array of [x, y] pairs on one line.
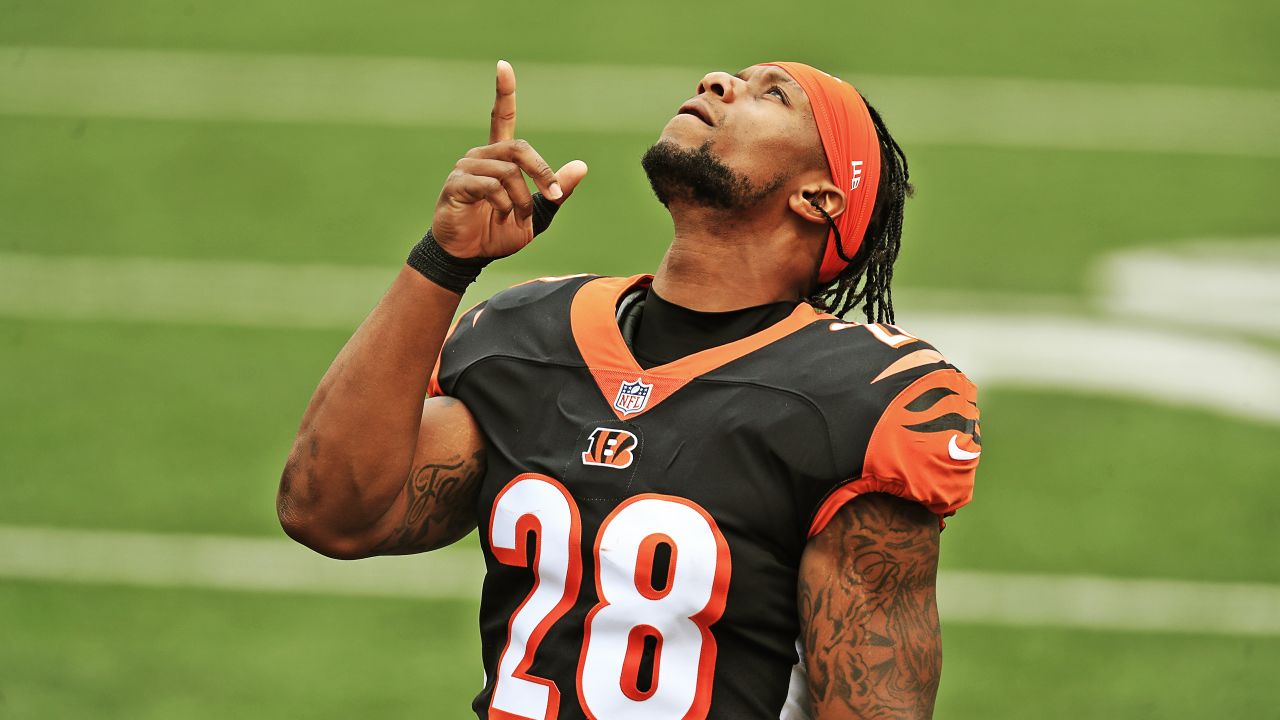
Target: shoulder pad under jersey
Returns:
[[527, 319]]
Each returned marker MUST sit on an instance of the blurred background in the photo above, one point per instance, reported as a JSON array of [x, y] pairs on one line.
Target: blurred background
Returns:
[[199, 201]]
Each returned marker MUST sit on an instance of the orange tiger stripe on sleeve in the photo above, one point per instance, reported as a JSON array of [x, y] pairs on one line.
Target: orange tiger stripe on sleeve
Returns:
[[925, 448]]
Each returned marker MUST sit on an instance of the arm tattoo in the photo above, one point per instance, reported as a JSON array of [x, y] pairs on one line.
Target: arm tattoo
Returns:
[[439, 506], [868, 612]]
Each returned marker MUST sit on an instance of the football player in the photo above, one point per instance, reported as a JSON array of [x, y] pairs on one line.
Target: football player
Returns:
[[699, 493]]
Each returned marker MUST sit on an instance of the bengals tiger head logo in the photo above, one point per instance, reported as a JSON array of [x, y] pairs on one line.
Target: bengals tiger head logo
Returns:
[[611, 448]]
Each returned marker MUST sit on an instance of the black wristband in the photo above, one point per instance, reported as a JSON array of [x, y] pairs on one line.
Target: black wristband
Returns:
[[455, 274], [451, 273]]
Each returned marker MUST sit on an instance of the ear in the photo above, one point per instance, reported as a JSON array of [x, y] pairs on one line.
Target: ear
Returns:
[[822, 192]]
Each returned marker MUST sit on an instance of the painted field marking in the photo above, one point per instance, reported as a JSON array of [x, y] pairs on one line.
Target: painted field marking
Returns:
[[217, 292], [1215, 284], [266, 565], [1044, 349], [1111, 357], [228, 563], [421, 92], [1102, 603]]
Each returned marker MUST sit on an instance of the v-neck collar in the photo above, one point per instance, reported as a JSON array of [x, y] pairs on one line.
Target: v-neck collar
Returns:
[[631, 390]]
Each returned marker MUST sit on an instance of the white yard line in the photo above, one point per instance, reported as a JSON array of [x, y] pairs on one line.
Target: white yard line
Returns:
[[227, 563], [189, 291], [1083, 601], [421, 92], [1049, 349], [265, 565], [1112, 357], [1220, 284], [214, 292]]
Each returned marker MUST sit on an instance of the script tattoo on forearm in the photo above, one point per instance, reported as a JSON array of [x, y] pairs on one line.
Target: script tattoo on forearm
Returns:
[[868, 612], [440, 506]]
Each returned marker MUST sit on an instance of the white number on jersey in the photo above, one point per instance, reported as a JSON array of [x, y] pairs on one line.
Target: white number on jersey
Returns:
[[674, 616], [538, 504]]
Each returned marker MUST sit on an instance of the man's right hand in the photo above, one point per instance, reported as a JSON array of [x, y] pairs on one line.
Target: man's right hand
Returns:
[[374, 470], [485, 208]]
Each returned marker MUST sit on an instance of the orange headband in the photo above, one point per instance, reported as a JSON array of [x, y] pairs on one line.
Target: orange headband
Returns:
[[853, 154]]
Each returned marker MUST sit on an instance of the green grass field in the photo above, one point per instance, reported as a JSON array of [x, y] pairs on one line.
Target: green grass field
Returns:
[[182, 427]]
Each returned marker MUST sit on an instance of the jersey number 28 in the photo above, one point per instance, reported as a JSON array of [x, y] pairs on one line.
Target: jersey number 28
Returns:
[[673, 618]]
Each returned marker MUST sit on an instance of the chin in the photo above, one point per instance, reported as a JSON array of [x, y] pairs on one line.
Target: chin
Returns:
[[684, 171]]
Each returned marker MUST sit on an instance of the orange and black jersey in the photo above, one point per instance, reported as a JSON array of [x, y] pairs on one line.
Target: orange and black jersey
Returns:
[[642, 528]]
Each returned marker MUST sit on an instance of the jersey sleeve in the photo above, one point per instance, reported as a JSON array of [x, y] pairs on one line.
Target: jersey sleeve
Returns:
[[924, 448], [457, 353]]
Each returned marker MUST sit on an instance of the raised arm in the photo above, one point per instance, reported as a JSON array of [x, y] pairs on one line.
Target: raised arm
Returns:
[[374, 470], [868, 612]]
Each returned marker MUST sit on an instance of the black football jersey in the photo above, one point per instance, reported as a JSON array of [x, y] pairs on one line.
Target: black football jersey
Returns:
[[642, 529]]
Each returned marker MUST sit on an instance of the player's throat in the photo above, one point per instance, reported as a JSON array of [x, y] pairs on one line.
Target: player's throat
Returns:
[[659, 332]]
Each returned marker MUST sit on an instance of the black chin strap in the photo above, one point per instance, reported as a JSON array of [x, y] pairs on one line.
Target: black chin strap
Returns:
[[834, 229]]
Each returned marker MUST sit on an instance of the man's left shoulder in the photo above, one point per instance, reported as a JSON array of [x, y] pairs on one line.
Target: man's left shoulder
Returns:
[[853, 364], [903, 419]]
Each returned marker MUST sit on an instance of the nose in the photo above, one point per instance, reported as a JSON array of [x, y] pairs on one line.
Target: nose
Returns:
[[720, 83]]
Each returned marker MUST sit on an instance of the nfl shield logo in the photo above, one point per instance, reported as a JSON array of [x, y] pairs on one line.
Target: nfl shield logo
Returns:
[[632, 397]]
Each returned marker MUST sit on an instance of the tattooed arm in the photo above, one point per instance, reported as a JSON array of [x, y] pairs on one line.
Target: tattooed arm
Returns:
[[374, 470], [868, 612], [436, 506]]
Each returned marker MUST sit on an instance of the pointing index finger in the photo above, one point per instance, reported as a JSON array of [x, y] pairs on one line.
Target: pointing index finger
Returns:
[[502, 122]]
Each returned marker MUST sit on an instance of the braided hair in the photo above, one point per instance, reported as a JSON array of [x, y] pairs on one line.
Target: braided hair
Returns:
[[866, 280]]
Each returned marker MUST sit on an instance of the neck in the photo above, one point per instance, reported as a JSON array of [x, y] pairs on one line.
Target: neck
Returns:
[[722, 261]]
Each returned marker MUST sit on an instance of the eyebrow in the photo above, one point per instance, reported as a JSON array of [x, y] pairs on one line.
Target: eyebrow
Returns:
[[773, 74]]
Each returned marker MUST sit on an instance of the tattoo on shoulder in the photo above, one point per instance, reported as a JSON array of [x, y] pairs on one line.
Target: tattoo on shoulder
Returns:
[[439, 507], [868, 612]]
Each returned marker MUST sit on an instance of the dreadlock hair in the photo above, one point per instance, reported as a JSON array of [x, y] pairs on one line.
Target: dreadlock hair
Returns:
[[866, 280]]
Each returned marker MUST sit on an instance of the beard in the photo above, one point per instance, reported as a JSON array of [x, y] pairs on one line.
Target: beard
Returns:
[[679, 174]]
